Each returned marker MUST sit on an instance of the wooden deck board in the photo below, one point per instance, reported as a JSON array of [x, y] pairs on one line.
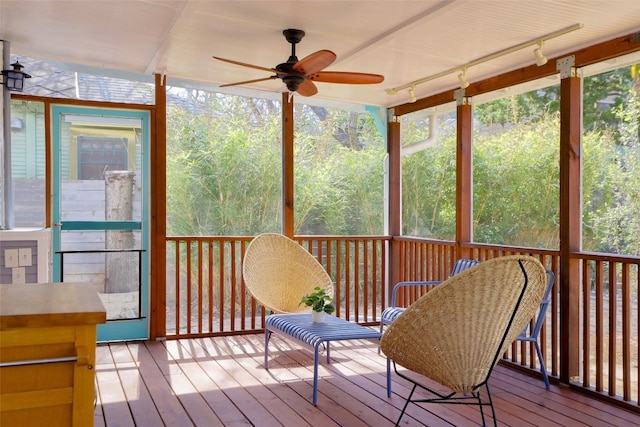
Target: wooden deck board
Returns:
[[222, 382]]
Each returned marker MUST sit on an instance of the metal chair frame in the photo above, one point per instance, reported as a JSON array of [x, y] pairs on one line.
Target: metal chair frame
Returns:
[[533, 336]]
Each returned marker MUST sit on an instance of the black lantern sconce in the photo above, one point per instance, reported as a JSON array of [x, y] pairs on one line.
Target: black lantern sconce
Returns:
[[14, 79]]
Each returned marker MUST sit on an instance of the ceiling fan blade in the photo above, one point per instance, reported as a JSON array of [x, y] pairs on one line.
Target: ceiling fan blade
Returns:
[[307, 88], [257, 67], [346, 77], [315, 62], [249, 81]]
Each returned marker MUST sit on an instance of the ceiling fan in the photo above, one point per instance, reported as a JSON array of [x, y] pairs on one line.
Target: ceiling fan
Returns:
[[299, 75]]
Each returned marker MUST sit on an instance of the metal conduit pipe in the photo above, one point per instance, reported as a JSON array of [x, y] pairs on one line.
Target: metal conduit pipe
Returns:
[[7, 220]]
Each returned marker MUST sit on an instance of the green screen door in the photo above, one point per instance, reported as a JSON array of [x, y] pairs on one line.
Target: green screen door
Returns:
[[100, 211]]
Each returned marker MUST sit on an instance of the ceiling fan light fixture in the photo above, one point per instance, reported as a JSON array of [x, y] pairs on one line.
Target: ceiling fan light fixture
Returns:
[[293, 82], [540, 58], [464, 83]]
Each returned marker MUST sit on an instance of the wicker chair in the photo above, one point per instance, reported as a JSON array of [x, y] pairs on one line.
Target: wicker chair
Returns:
[[456, 333], [278, 272], [390, 313]]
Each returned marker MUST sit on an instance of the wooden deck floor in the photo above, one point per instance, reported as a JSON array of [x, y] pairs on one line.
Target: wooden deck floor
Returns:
[[222, 382]]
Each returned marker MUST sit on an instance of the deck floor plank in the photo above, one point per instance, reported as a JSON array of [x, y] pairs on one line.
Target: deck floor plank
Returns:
[[237, 392], [227, 414], [233, 362], [252, 361], [156, 375], [301, 368], [221, 381], [113, 400], [195, 405]]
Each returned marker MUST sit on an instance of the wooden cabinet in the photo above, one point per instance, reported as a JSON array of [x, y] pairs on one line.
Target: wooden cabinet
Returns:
[[47, 354]]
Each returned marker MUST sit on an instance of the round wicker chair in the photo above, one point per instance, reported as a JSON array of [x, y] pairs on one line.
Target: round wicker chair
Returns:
[[456, 333], [278, 272]]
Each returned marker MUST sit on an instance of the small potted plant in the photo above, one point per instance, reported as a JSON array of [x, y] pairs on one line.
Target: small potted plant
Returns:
[[319, 302]]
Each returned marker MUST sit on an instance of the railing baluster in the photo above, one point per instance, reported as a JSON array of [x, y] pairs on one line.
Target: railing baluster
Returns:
[[626, 333], [586, 325], [599, 326], [199, 258], [221, 293], [210, 283], [188, 309], [613, 290]]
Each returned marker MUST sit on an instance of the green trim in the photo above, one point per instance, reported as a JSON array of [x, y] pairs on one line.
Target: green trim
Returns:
[[101, 225], [379, 115]]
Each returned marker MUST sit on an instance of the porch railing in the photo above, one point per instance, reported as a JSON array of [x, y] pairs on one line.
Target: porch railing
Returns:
[[206, 296], [608, 311], [609, 325]]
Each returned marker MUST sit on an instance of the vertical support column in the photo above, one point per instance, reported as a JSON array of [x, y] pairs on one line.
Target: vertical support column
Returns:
[[158, 189], [570, 217], [464, 173], [395, 197], [48, 165], [287, 166], [7, 217]]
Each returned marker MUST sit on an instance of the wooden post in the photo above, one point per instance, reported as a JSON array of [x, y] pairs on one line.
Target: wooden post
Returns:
[[464, 175], [158, 189], [395, 198], [121, 268], [570, 220], [287, 166]]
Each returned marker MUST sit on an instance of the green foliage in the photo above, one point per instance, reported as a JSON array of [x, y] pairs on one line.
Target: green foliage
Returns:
[[515, 186], [429, 184], [223, 174], [338, 173], [516, 171], [610, 87], [612, 219], [224, 178], [318, 301], [224, 168]]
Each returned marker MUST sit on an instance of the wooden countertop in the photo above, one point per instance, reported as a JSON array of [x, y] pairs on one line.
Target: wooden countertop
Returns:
[[49, 304]]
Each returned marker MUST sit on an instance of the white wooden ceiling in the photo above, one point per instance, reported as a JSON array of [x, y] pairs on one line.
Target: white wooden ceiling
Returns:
[[402, 40]]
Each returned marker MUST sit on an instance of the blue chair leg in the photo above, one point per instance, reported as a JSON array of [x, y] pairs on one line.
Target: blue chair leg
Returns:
[[542, 367]]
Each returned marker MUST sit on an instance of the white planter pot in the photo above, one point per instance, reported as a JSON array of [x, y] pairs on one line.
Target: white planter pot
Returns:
[[318, 316]]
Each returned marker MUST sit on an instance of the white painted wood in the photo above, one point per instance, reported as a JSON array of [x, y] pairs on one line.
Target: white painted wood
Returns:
[[403, 40]]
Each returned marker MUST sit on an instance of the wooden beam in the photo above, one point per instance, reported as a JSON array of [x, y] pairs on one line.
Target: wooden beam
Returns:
[[590, 55], [287, 166]]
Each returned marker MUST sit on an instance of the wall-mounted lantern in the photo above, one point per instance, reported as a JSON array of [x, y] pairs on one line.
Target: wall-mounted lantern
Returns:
[[14, 79]]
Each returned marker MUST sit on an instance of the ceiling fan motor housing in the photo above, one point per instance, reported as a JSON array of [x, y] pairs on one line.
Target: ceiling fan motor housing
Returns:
[[293, 81]]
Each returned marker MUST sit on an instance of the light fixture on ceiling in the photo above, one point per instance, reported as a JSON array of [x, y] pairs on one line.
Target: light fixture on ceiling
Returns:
[[412, 94], [464, 83], [14, 78], [462, 78], [540, 58]]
